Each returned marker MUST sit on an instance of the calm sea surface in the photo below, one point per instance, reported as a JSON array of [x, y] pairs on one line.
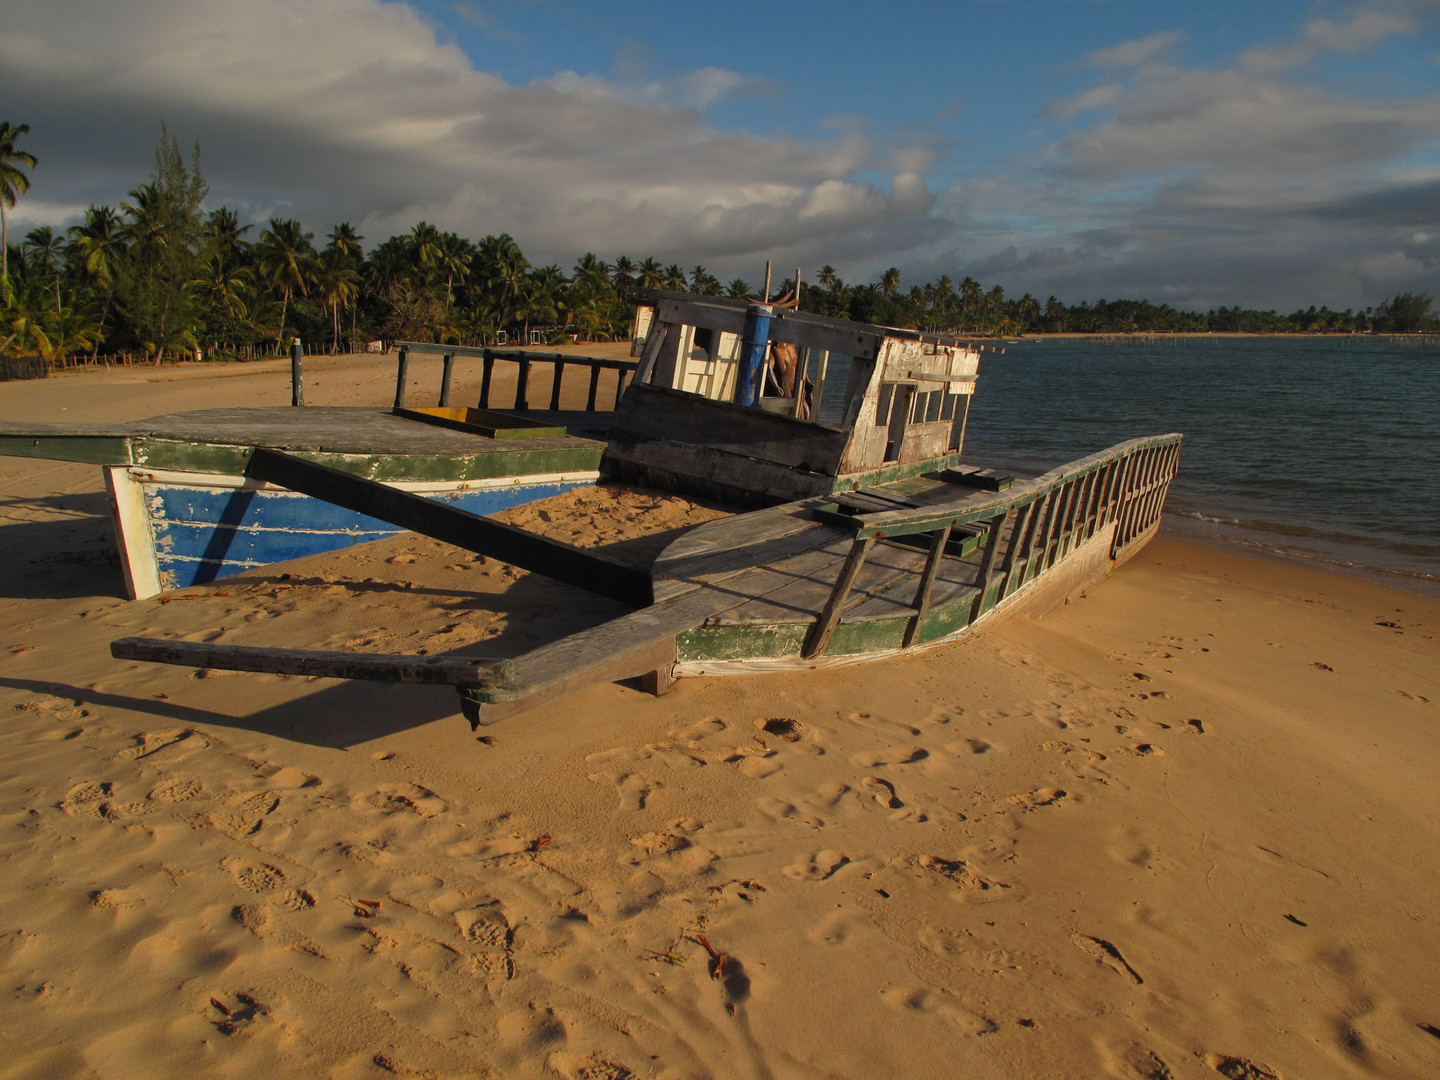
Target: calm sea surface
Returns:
[[1327, 450]]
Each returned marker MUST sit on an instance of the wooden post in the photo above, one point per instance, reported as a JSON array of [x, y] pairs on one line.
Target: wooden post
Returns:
[[402, 372], [447, 364], [620, 385], [594, 387], [821, 629], [297, 383], [488, 359], [522, 385], [555, 384]]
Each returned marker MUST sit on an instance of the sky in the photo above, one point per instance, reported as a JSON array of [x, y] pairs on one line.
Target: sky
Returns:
[[1266, 153]]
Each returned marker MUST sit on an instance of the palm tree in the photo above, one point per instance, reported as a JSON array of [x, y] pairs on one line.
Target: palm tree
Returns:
[[336, 283], [227, 235], [624, 272], [425, 246], [828, 279], [287, 257], [453, 261], [504, 269], [649, 273], [591, 272], [13, 182], [738, 289], [970, 295], [675, 277], [345, 240], [98, 243], [890, 281], [43, 250]]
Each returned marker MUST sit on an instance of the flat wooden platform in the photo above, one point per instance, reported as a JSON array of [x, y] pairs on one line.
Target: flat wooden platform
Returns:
[[374, 442]]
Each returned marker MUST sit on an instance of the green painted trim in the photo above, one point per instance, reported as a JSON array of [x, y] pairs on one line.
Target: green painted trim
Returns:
[[232, 460], [88, 449], [770, 641], [890, 473]]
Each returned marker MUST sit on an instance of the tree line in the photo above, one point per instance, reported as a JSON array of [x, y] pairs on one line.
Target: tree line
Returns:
[[161, 275]]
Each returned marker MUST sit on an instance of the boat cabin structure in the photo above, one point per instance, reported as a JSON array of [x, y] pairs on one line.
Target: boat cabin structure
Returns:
[[755, 404]]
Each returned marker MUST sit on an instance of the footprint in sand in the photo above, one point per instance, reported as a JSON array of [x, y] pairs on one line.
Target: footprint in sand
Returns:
[[883, 791], [820, 866], [1237, 1068], [1033, 800], [699, 732], [632, 790], [961, 873], [174, 791], [165, 747], [780, 810], [782, 728], [895, 755], [231, 1019], [659, 843], [1144, 1064], [486, 927], [401, 798], [577, 1067], [114, 899], [88, 799], [252, 876], [1102, 952]]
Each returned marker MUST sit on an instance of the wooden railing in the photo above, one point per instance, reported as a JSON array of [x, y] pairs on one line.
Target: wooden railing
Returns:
[[525, 361], [1029, 528]]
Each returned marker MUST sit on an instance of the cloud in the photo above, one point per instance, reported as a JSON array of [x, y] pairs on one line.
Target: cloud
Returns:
[[302, 112], [1135, 54]]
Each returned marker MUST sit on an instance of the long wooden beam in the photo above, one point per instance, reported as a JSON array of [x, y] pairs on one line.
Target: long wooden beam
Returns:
[[563, 562], [376, 667]]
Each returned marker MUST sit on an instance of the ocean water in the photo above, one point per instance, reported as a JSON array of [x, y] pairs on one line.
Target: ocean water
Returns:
[[1318, 449]]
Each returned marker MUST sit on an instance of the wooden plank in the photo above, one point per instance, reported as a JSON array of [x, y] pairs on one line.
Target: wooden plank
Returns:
[[803, 584], [55, 443], [376, 667], [985, 479], [650, 413], [585, 569], [819, 635], [484, 422]]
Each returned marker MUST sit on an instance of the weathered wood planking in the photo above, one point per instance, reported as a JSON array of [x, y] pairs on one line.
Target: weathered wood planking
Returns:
[[375, 667]]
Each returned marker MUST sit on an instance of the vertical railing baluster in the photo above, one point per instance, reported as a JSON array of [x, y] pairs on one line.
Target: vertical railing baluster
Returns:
[[938, 540], [824, 626]]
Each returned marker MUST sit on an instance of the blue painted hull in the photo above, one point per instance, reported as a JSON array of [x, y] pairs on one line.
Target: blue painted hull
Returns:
[[194, 528]]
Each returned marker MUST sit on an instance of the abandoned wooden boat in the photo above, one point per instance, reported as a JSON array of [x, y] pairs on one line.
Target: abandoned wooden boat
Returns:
[[865, 536]]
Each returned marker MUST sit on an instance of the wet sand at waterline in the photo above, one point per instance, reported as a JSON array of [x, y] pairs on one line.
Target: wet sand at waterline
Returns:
[[1185, 826]]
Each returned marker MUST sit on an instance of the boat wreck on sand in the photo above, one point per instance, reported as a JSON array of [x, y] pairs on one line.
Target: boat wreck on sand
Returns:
[[862, 533]]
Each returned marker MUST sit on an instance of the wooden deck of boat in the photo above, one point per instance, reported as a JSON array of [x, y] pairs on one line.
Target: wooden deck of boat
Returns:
[[216, 440]]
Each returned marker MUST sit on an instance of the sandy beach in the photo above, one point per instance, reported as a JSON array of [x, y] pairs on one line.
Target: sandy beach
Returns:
[[1186, 825]]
